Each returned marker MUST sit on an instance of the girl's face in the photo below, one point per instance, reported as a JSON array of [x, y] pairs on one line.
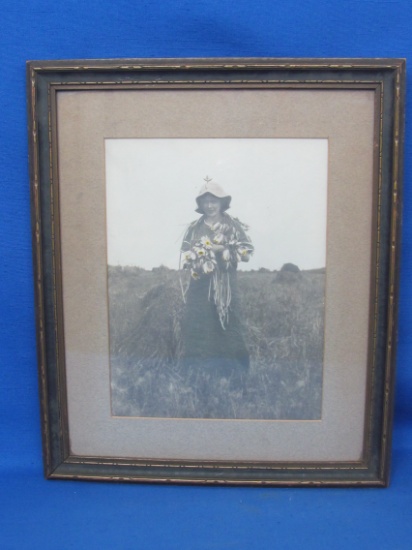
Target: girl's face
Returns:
[[210, 205]]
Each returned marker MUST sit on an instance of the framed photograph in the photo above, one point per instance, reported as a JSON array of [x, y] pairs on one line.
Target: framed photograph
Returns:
[[216, 250]]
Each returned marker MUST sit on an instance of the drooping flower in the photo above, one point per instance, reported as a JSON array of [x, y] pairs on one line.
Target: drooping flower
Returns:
[[242, 253], [226, 255], [189, 255], [208, 266]]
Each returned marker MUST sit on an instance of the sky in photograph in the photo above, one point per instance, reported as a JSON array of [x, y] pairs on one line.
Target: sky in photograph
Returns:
[[278, 188]]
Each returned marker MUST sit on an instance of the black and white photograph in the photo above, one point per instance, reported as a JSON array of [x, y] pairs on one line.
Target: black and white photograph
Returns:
[[216, 251], [216, 277]]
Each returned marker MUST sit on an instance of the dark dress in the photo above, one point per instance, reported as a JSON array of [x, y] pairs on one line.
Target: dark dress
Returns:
[[212, 332]]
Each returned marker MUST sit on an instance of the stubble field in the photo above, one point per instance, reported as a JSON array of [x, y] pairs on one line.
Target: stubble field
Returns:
[[283, 314]]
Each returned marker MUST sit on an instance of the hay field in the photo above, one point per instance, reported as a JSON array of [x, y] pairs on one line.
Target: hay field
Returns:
[[284, 322]]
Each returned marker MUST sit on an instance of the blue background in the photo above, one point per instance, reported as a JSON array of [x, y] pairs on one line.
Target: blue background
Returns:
[[43, 514]]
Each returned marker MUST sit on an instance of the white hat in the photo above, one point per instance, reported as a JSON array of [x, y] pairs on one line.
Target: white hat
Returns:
[[217, 191]]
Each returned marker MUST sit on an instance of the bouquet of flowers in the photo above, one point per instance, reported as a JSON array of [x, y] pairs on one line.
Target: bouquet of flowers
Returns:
[[224, 247], [200, 258]]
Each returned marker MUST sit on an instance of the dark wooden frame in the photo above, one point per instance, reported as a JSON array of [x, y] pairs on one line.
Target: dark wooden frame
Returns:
[[45, 78]]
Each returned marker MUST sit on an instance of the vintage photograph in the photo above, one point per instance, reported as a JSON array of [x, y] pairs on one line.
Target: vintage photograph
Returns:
[[216, 276], [216, 265]]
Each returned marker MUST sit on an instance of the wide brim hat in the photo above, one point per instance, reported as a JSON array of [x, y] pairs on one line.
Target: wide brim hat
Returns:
[[213, 188]]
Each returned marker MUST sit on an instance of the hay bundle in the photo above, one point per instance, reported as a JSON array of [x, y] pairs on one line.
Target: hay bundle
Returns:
[[154, 334], [289, 273]]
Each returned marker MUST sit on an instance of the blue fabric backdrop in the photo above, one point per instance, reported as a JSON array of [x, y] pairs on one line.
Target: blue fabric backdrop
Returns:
[[39, 514]]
